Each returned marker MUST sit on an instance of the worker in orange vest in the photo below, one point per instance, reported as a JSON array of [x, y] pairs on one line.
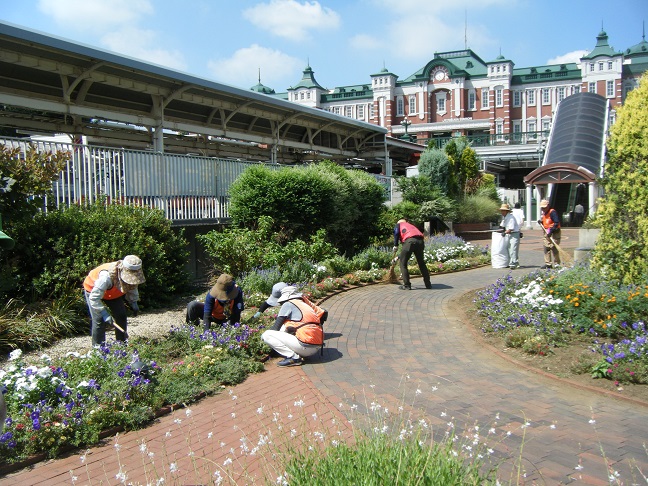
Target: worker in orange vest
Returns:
[[108, 288]]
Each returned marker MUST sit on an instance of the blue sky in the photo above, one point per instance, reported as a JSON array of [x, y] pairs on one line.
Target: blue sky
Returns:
[[344, 41]]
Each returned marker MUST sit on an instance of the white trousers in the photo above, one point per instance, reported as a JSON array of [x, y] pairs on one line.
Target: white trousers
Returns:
[[288, 345]]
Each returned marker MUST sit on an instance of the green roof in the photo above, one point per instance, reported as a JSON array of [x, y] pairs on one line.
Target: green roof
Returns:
[[459, 63], [360, 91], [637, 50], [307, 80], [552, 71], [602, 47]]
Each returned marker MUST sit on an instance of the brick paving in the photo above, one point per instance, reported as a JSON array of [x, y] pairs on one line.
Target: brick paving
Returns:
[[385, 348]]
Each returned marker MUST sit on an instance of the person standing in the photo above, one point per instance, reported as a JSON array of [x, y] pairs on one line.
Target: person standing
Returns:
[[579, 215], [518, 214], [412, 242], [297, 332], [223, 303], [108, 288], [550, 223], [272, 300], [512, 234]]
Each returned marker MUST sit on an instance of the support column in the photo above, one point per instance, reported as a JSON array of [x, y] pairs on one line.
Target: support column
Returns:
[[592, 190], [528, 209]]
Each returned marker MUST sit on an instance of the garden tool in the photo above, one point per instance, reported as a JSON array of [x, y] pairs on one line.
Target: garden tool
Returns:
[[564, 256], [390, 276]]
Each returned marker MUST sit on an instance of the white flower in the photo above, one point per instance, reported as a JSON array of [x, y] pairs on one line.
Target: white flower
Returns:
[[188, 412], [173, 467], [210, 435], [299, 403], [15, 354], [46, 358], [592, 421]]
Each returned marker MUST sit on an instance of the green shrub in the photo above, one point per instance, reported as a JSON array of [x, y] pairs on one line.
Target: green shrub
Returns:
[[301, 201], [477, 209], [57, 250], [620, 252], [238, 251]]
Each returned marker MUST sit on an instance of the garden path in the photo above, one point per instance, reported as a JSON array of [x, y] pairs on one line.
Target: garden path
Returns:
[[396, 349]]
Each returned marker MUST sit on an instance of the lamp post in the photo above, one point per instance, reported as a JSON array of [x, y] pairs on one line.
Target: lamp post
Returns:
[[406, 123]]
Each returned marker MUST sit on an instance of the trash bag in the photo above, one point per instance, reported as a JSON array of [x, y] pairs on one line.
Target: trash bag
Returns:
[[499, 250]]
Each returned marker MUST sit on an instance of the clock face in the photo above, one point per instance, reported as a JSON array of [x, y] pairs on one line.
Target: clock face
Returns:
[[439, 75]]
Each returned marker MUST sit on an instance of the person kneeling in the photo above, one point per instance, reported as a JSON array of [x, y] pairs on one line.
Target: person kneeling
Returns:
[[297, 332]]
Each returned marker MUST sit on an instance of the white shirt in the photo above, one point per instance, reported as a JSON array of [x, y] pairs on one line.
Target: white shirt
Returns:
[[518, 213], [509, 223]]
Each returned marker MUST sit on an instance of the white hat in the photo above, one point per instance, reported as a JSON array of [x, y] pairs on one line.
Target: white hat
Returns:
[[276, 293], [287, 293], [130, 270]]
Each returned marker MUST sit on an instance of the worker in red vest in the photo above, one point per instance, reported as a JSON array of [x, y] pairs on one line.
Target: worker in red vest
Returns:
[[413, 242], [108, 288]]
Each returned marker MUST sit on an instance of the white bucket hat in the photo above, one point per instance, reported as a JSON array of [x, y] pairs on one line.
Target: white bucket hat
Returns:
[[276, 293], [130, 270], [287, 293]]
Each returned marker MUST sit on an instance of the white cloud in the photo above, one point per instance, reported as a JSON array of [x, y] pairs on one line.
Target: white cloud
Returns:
[[242, 69], [95, 14], [138, 43], [573, 56], [291, 19]]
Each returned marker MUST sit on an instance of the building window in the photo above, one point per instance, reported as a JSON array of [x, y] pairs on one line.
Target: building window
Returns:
[[517, 130], [531, 98], [561, 93], [610, 89], [361, 112], [591, 87], [577, 88], [610, 65], [545, 96], [308, 95], [600, 66], [499, 99], [499, 130], [400, 106], [336, 110], [412, 104], [484, 98], [517, 98], [531, 128], [472, 102], [441, 102], [301, 96], [546, 126], [348, 111]]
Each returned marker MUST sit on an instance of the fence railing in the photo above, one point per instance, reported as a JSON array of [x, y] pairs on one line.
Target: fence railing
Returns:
[[490, 140], [186, 188]]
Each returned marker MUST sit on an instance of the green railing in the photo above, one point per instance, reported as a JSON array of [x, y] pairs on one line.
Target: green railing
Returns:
[[492, 140]]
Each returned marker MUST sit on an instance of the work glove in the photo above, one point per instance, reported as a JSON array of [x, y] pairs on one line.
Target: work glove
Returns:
[[135, 308], [257, 315], [395, 248], [395, 259], [106, 318], [291, 330], [540, 222]]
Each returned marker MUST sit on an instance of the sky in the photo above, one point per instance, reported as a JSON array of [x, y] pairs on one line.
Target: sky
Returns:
[[235, 42]]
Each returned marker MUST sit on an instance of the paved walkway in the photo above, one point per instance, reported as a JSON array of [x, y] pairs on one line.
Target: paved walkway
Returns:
[[385, 348]]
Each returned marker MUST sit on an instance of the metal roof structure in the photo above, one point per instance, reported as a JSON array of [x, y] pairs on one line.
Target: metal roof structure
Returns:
[[52, 85], [576, 149]]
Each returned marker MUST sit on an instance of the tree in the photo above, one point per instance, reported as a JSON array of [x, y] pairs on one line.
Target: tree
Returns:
[[434, 164], [621, 252], [25, 182]]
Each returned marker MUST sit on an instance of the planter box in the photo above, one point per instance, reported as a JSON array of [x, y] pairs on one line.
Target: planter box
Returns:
[[587, 237], [472, 231]]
